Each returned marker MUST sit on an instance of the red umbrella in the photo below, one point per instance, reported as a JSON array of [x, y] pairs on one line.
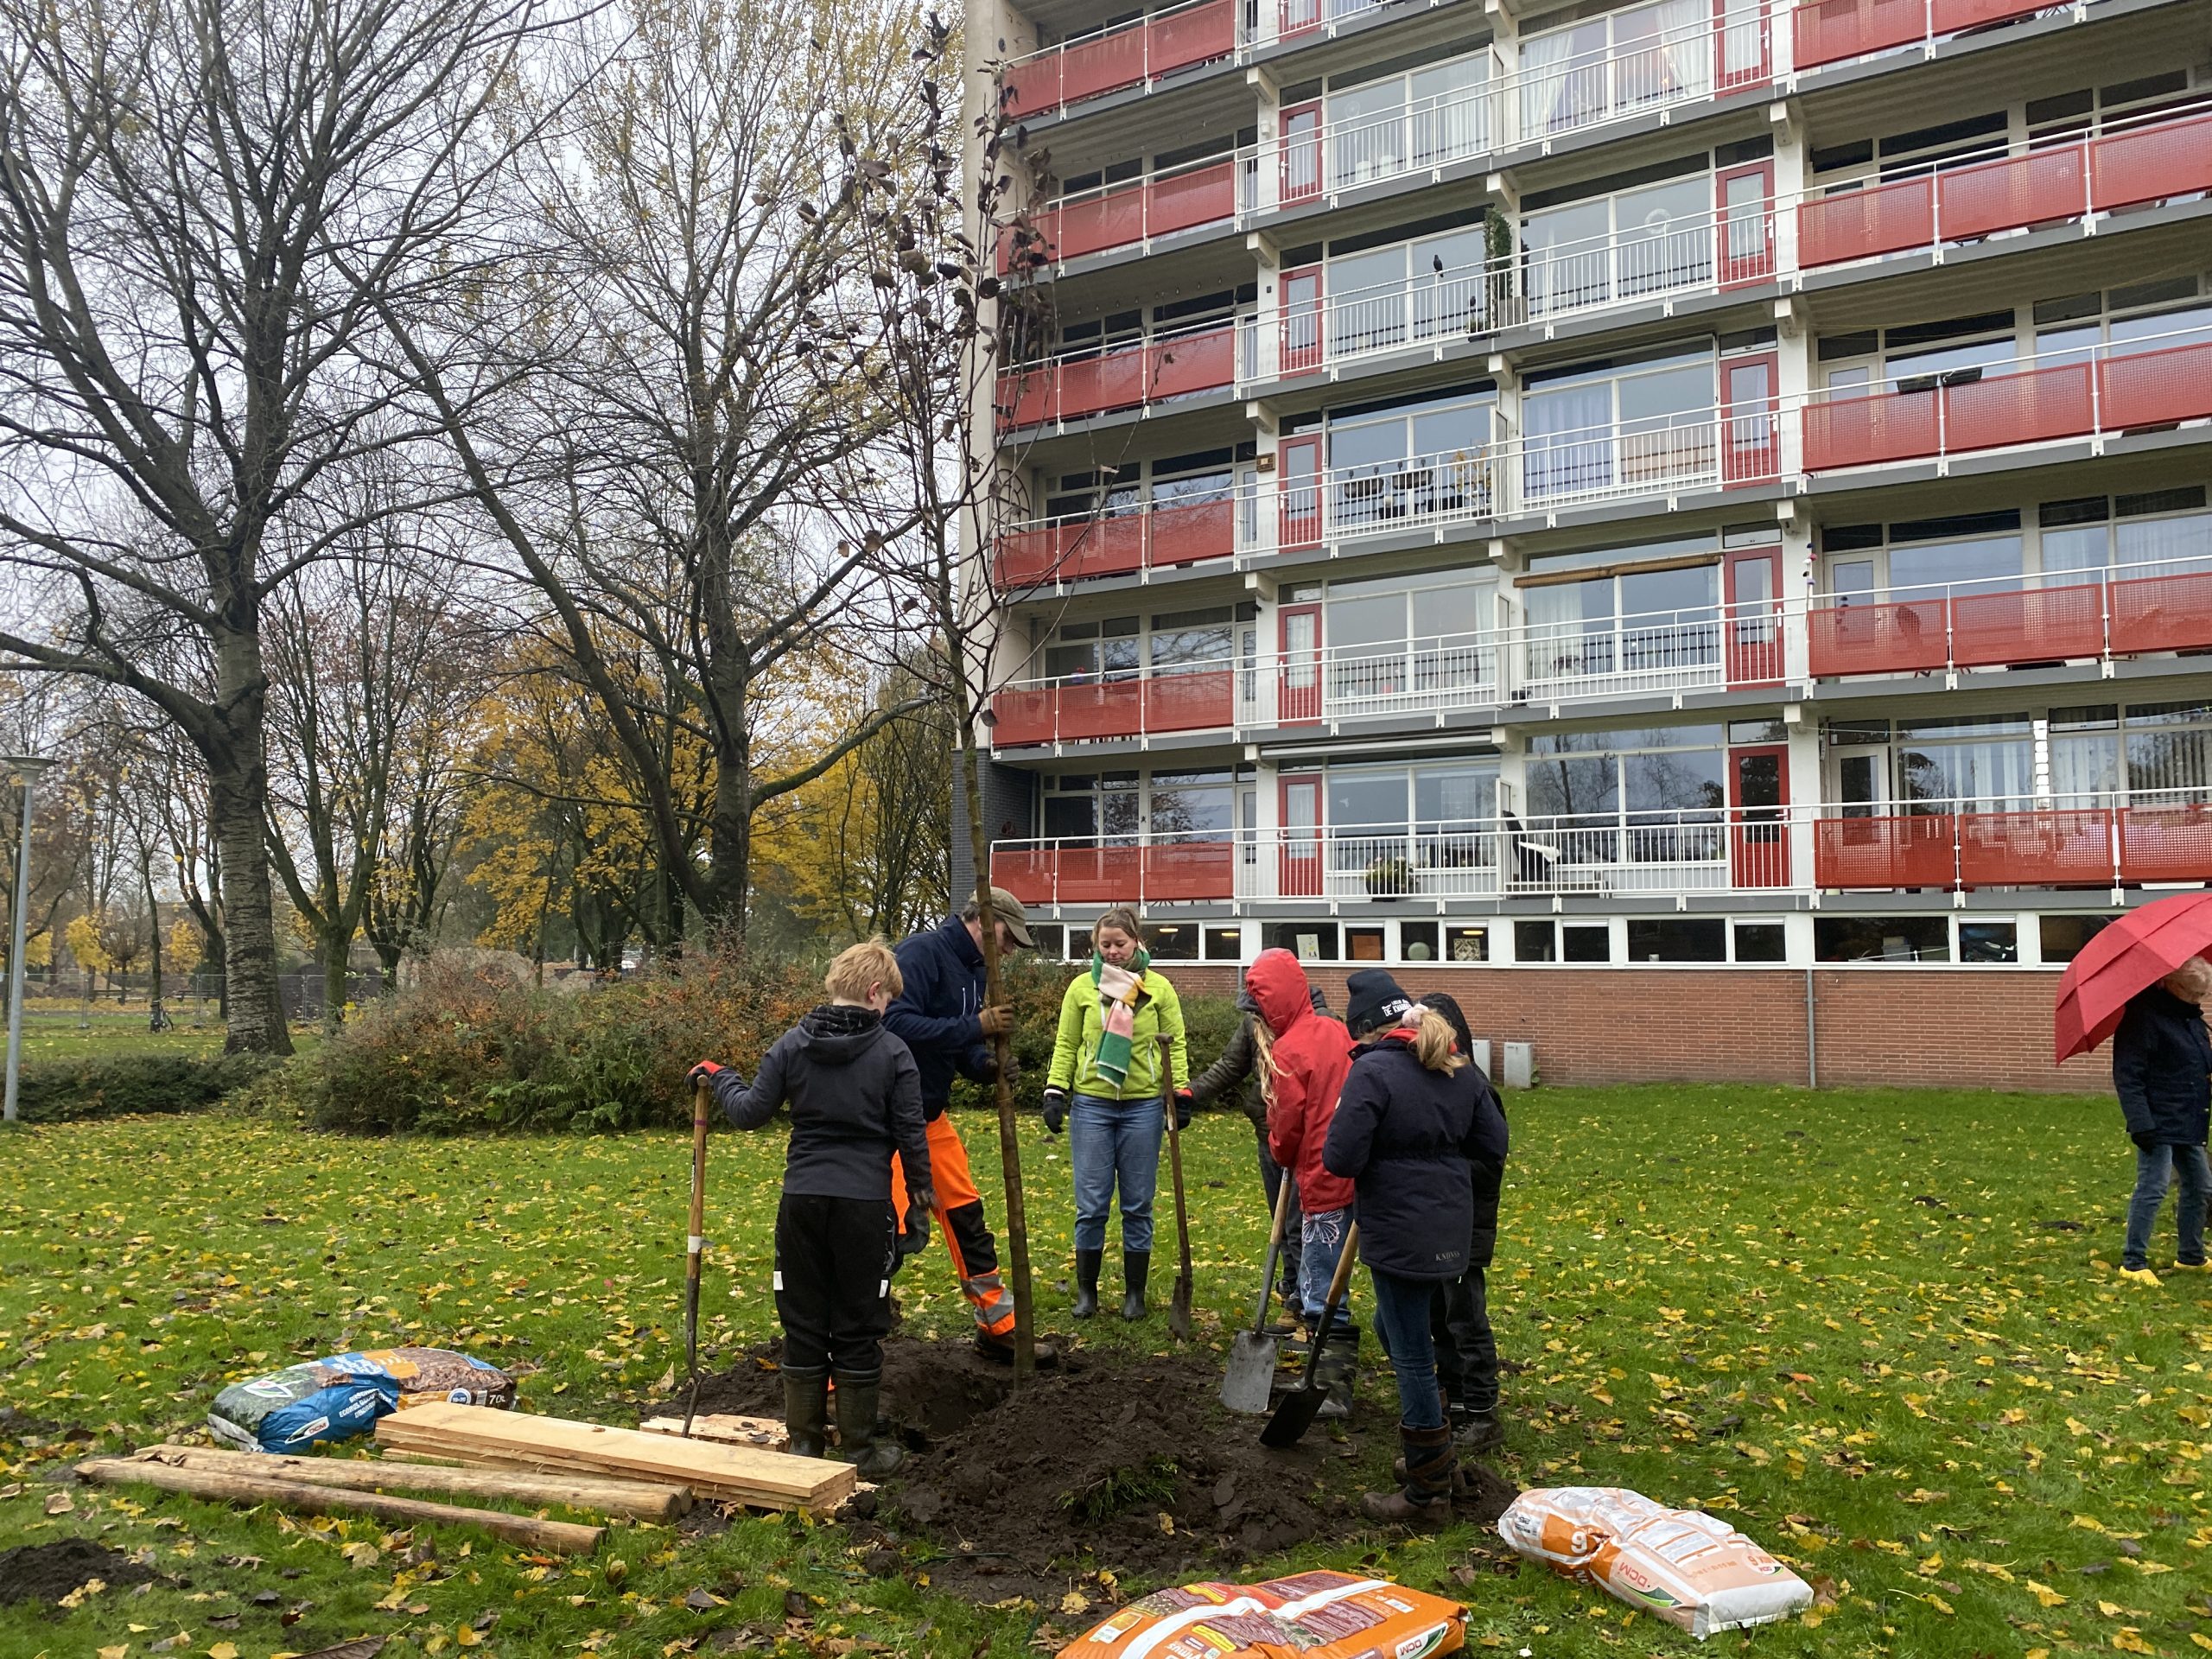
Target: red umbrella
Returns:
[[2132, 953]]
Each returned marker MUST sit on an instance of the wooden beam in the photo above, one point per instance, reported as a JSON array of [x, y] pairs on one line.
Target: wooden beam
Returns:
[[553, 1537], [634, 1499]]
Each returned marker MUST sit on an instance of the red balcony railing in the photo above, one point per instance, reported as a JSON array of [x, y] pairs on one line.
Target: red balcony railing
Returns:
[[1083, 708], [1066, 389], [2069, 841], [1829, 31], [1124, 871], [2152, 382], [1073, 549], [1134, 55], [1069, 227], [2169, 156], [2165, 606]]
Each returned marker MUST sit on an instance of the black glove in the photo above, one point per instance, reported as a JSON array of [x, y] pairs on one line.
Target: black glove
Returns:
[[2145, 1142], [1056, 1110], [987, 1069], [921, 1200], [1185, 1100], [916, 1238]]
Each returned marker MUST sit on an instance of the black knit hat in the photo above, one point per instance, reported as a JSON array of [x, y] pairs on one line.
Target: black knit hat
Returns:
[[1374, 1000]]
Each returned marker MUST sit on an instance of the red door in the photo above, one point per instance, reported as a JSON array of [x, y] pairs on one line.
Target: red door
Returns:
[[1759, 815], [1297, 16], [1750, 449], [1742, 54], [1302, 344], [1752, 624], [1300, 874], [1298, 694], [1300, 145], [1298, 483], [1743, 225]]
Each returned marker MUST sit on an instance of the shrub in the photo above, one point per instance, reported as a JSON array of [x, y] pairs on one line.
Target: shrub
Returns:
[[463, 1051], [59, 1091]]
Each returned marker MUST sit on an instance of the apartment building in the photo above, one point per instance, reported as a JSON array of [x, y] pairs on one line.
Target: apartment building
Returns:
[[1709, 493]]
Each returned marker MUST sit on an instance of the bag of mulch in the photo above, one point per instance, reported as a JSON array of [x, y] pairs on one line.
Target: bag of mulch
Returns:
[[1691, 1569], [1310, 1616], [337, 1398]]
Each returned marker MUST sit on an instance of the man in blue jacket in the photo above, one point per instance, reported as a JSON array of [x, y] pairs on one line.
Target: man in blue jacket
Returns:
[[941, 1017]]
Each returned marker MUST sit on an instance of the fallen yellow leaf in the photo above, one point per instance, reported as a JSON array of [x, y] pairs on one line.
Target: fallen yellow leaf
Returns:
[[224, 1650], [2045, 1595]]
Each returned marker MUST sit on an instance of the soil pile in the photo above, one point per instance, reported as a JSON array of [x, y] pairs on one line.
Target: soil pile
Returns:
[[45, 1572], [1118, 1461]]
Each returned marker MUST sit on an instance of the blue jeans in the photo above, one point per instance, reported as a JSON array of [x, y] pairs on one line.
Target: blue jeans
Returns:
[[1320, 1244], [1401, 1318], [2152, 1171], [1115, 1142]]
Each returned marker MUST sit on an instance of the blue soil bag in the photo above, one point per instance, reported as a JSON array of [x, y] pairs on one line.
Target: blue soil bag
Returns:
[[334, 1399]]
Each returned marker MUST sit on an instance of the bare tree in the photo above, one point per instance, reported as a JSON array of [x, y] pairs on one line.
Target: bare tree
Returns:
[[207, 208]]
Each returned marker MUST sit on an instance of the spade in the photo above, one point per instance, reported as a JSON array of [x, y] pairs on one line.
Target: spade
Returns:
[[1299, 1408], [1252, 1356]]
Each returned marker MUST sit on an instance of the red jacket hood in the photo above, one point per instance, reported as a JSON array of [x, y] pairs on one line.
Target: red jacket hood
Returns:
[[1277, 985]]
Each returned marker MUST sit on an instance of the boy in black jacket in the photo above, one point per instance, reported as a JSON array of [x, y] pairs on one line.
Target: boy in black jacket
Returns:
[[855, 1098]]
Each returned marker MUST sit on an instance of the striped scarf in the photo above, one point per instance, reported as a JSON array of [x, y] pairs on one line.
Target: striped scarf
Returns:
[[1118, 990]]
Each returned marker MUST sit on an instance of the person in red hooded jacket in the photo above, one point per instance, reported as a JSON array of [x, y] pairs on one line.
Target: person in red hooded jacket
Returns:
[[1304, 1057]]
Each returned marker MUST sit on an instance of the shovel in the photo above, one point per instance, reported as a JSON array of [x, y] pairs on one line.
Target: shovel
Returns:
[[1296, 1413], [1178, 1311], [1252, 1356], [695, 1247]]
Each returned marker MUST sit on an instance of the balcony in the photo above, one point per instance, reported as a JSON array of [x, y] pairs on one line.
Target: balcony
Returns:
[[2063, 842], [2160, 380], [2088, 843], [1156, 536], [1134, 55], [1831, 31], [1074, 386], [2144, 160], [1635, 855], [1420, 678], [1125, 215], [2129, 611], [1655, 653]]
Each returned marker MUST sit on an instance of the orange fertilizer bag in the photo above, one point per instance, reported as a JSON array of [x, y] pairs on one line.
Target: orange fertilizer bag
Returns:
[[1687, 1567], [1311, 1616]]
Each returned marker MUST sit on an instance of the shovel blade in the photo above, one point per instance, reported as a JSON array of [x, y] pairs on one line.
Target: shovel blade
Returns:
[[1293, 1417], [1178, 1311], [1251, 1380]]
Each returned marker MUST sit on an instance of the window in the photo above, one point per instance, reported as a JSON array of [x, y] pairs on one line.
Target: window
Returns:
[[1426, 289], [1989, 941], [1389, 643], [1678, 940], [1761, 942], [1430, 115], [1587, 431], [1307, 941], [2063, 937], [1534, 942], [1586, 942], [1623, 60], [1976, 764], [1655, 239], [1663, 787], [1662, 620], [1417, 941], [1408, 461], [1225, 944], [1466, 944], [1905, 939], [1051, 941], [1167, 806], [1365, 944]]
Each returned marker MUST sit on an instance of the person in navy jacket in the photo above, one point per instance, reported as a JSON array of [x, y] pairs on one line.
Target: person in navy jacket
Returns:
[[2162, 1071]]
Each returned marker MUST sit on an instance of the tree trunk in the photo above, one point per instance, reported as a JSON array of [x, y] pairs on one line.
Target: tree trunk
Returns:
[[336, 955], [253, 1002]]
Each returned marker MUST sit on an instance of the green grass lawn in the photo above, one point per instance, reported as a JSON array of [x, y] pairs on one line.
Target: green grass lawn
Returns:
[[115, 1034], [1865, 1325]]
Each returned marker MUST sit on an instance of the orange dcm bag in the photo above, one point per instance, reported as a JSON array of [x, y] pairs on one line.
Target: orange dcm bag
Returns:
[[1313, 1616], [1685, 1567]]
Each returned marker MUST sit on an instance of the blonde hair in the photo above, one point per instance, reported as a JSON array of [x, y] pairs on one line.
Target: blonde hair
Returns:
[[1434, 1045], [860, 968], [1264, 1055], [1121, 917]]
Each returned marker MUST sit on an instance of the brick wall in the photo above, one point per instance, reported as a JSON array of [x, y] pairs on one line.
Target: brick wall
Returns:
[[1905, 1026]]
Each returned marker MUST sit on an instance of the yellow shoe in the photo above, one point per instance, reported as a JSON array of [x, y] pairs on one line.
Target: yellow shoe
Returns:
[[2141, 1276], [2193, 1267]]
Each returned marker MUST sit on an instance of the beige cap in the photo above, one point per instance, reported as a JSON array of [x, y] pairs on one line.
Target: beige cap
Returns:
[[1008, 909]]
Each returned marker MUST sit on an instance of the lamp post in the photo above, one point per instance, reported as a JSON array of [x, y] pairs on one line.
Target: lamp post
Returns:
[[26, 768]]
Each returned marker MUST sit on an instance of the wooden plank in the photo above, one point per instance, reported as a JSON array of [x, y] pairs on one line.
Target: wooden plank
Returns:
[[773, 1480], [635, 1499], [559, 1538], [726, 1427], [551, 1463]]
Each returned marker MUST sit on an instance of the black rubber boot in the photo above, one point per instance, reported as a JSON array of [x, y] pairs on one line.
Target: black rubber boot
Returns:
[[1426, 1500], [807, 1409], [1338, 1372], [872, 1455], [1087, 1263], [1478, 1431], [1136, 1267]]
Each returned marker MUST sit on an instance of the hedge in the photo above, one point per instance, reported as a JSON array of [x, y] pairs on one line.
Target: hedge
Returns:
[[59, 1091]]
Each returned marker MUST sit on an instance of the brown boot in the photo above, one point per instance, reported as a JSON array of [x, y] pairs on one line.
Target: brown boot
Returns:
[[1426, 1500]]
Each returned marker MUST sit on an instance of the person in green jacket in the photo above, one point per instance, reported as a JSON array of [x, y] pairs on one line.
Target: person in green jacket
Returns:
[[1105, 1077]]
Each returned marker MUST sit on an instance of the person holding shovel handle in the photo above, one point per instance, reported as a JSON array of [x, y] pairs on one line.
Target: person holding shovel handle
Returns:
[[1105, 1087], [855, 1100], [1413, 1122]]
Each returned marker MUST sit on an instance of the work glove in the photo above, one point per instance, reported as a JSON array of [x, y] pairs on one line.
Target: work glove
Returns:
[[995, 1021], [702, 1072], [920, 1201], [1185, 1101], [1012, 1068], [1056, 1110], [2145, 1142], [916, 1238]]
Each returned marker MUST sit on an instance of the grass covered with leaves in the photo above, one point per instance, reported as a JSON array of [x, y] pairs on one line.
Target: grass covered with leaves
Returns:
[[1879, 1330]]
